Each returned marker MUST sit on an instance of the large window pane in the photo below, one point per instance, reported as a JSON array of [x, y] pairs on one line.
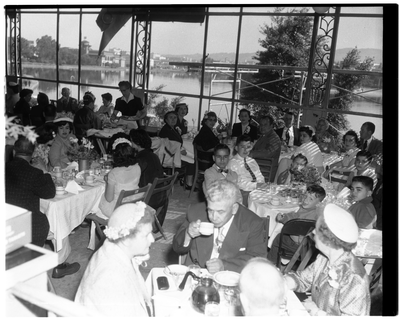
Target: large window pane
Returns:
[[38, 44], [68, 57]]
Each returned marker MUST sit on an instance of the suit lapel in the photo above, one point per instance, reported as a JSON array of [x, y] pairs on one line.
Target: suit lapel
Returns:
[[234, 240]]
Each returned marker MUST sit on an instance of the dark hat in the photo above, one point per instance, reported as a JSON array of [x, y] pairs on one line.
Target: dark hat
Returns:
[[89, 97]]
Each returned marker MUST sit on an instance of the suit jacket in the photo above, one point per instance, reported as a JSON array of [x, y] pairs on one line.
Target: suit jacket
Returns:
[[237, 131], [244, 240], [375, 146], [25, 185], [296, 133]]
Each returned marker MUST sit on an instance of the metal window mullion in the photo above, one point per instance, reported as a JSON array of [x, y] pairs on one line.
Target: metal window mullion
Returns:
[[57, 51], [203, 69], [131, 55], [236, 65], [79, 54]]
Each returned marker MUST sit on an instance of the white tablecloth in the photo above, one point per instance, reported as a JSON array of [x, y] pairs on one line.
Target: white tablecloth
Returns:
[[188, 145], [259, 204], [174, 303], [67, 212]]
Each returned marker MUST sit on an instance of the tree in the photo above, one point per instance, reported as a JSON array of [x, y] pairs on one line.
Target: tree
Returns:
[[287, 42], [343, 83], [27, 50], [46, 48]]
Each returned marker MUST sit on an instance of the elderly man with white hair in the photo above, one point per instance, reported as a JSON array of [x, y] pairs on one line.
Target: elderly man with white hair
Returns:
[[112, 283], [238, 232], [262, 288]]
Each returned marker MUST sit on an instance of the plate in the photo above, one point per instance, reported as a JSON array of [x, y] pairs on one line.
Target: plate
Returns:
[[65, 192], [276, 205], [227, 278], [175, 270]]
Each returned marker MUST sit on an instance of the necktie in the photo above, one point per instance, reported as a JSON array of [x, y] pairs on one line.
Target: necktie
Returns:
[[223, 171], [253, 176], [365, 145], [219, 240], [287, 136]]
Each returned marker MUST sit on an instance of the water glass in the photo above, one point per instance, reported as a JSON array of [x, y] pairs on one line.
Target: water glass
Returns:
[[273, 188], [211, 309]]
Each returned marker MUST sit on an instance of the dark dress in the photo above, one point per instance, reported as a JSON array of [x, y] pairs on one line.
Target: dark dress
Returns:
[[206, 138], [37, 116], [22, 109], [151, 168], [25, 185], [129, 108], [182, 125], [85, 119], [237, 131]]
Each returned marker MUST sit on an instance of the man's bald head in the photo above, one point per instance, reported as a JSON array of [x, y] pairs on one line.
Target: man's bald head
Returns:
[[262, 288], [23, 147]]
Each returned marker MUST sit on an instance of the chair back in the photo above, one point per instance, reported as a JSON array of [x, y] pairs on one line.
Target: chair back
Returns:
[[145, 194], [265, 167], [295, 227], [163, 184], [203, 159], [305, 252]]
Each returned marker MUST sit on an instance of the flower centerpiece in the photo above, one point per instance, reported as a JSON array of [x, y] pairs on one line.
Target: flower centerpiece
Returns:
[[308, 175], [14, 129], [82, 152]]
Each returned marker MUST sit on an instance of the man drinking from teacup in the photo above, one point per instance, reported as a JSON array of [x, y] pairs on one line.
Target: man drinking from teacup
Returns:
[[237, 236]]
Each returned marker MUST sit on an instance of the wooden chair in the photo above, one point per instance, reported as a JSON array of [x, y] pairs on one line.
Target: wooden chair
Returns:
[[202, 162], [170, 171], [101, 223], [265, 167], [162, 185], [295, 227], [304, 252]]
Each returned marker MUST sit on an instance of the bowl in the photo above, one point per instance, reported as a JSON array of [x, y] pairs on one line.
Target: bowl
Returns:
[[275, 201], [206, 228], [176, 272], [227, 278]]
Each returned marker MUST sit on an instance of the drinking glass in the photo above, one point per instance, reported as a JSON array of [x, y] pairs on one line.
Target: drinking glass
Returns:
[[273, 188]]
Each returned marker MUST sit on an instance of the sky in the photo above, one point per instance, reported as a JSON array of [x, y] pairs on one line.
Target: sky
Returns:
[[187, 38]]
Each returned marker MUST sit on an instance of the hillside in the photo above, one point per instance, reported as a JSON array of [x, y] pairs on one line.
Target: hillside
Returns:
[[247, 57]]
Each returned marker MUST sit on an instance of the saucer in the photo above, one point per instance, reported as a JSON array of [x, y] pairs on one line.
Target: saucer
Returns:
[[63, 194]]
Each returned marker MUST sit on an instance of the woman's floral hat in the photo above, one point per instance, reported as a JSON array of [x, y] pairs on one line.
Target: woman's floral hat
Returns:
[[125, 219], [119, 141], [64, 116]]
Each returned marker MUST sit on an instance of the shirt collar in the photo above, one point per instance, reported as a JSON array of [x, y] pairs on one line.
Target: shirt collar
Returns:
[[225, 228], [131, 96]]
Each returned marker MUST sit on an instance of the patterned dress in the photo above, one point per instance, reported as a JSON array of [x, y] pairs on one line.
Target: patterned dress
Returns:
[[341, 289]]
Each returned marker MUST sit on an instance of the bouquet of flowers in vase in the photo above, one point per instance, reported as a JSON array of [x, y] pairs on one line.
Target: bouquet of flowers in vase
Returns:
[[308, 175], [81, 151]]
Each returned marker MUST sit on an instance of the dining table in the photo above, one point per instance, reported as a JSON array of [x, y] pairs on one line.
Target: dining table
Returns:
[[327, 158], [260, 202], [66, 212], [177, 303]]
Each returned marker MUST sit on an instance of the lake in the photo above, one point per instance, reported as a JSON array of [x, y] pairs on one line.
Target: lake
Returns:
[[187, 82]]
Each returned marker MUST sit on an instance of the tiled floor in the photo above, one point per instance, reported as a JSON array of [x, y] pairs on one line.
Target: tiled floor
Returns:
[[161, 251]]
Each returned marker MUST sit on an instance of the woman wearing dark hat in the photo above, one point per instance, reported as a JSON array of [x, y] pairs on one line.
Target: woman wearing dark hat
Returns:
[[181, 110], [338, 281], [62, 142]]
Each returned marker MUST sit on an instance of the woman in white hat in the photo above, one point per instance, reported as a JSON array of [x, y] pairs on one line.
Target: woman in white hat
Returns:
[[63, 140], [337, 280], [112, 283]]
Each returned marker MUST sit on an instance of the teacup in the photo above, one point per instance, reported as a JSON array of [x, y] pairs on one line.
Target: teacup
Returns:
[[206, 228], [275, 201], [60, 190], [89, 179]]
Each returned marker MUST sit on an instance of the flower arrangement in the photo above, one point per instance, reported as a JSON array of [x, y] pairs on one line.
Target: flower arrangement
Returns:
[[13, 130], [308, 175], [333, 276], [83, 151]]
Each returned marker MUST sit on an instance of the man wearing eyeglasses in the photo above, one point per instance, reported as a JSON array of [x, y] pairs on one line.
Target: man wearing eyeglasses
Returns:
[[130, 106]]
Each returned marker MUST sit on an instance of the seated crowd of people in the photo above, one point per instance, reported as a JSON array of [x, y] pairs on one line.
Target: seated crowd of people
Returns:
[[239, 240]]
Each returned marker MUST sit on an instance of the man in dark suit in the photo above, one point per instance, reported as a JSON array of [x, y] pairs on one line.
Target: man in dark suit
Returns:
[[25, 185], [268, 145], [238, 232], [290, 134], [368, 141], [66, 103]]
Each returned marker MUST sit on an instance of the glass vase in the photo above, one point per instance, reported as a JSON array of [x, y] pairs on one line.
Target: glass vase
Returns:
[[84, 164]]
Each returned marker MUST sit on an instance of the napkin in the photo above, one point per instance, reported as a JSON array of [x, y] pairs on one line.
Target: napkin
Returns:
[[80, 175], [72, 166], [91, 132], [73, 187]]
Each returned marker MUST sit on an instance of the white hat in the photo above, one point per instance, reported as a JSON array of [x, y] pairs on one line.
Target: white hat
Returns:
[[341, 223], [63, 119]]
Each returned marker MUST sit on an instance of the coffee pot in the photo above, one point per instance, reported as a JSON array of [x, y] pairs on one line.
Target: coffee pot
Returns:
[[204, 292]]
